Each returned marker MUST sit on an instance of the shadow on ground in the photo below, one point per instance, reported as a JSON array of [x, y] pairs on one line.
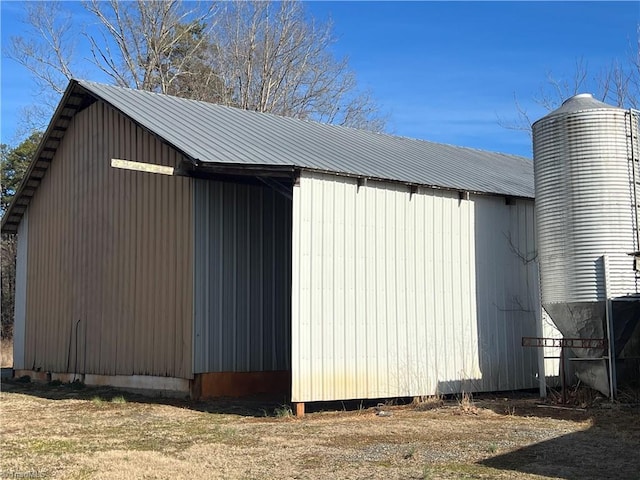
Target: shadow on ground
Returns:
[[255, 406], [608, 449], [251, 406]]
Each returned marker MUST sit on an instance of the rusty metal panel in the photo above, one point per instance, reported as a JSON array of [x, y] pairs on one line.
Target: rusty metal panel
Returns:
[[110, 256], [544, 342], [242, 296], [402, 292]]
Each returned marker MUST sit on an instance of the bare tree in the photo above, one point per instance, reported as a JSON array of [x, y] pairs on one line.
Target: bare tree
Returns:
[[617, 84], [150, 45], [47, 49], [258, 55], [272, 59], [160, 46], [550, 96]]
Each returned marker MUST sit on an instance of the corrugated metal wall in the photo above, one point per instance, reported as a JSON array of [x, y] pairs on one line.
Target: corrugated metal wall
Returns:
[[242, 293], [505, 270], [585, 199], [401, 294], [20, 299], [110, 256]]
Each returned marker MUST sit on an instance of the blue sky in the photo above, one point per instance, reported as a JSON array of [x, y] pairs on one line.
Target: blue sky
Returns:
[[444, 71]]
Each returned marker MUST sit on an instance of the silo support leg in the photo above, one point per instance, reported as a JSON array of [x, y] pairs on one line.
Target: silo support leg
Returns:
[[609, 325]]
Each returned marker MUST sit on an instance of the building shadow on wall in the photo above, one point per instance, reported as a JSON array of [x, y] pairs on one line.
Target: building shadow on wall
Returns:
[[506, 293], [606, 450]]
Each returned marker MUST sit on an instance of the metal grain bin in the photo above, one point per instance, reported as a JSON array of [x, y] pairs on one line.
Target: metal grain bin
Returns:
[[585, 208]]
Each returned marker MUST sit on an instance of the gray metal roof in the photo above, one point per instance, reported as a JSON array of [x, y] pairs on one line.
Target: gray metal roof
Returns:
[[217, 134]]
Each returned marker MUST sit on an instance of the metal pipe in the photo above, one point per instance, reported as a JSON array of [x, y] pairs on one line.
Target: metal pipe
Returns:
[[563, 381], [542, 374], [609, 327]]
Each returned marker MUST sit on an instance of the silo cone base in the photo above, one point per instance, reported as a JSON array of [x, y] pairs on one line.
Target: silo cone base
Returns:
[[579, 320], [594, 374], [584, 320]]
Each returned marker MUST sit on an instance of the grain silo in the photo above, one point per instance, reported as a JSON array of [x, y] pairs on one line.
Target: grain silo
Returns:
[[586, 180]]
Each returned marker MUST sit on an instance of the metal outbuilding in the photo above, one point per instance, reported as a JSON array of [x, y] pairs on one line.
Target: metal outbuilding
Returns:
[[240, 252]]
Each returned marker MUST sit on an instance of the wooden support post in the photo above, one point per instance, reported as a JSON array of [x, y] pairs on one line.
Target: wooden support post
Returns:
[[299, 409]]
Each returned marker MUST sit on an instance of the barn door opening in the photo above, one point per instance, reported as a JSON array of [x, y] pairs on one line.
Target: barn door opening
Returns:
[[242, 288]]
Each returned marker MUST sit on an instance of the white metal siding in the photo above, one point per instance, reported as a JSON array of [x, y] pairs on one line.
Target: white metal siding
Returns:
[[19, 315], [242, 284], [400, 294]]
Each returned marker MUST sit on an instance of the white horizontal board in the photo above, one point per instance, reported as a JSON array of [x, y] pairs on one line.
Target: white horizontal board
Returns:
[[142, 166]]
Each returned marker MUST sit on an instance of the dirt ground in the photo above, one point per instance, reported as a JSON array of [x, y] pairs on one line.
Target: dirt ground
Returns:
[[72, 431]]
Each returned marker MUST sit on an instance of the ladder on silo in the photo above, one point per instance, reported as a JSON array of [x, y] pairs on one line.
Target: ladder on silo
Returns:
[[634, 160]]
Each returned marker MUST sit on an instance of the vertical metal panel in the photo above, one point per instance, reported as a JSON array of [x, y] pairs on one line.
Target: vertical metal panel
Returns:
[[242, 278], [398, 294], [110, 266], [506, 291], [20, 303]]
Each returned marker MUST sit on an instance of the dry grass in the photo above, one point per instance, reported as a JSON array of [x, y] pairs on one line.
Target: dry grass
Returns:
[[428, 402], [6, 353], [466, 405], [65, 432]]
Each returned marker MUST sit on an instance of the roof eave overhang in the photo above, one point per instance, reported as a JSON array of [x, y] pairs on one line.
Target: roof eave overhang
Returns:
[[363, 180], [204, 169], [217, 170], [73, 100]]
